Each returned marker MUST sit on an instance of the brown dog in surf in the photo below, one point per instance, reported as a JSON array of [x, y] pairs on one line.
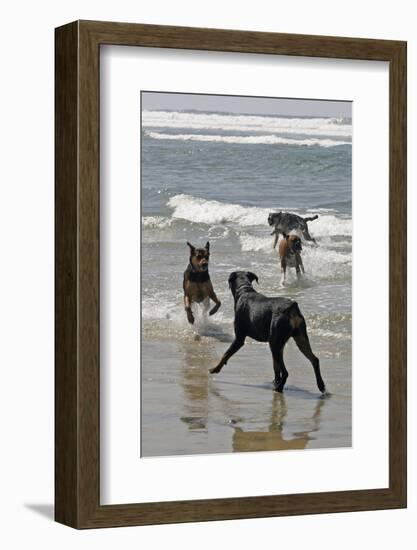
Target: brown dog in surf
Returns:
[[197, 284], [289, 251]]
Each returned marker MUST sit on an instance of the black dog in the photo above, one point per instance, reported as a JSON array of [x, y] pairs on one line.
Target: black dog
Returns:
[[272, 320], [285, 222]]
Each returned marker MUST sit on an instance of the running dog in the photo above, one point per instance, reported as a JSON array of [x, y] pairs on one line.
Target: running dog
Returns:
[[285, 222], [197, 284], [272, 320], [289, 251]]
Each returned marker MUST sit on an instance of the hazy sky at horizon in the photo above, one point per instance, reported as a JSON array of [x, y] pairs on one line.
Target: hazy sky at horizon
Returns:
[[246, 105]]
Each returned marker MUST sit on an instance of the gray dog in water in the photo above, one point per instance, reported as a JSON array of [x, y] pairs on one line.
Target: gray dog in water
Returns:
[[285, 222], [272, 320]]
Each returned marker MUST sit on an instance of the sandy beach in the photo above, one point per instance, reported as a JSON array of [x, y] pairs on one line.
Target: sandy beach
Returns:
[[190, 411]]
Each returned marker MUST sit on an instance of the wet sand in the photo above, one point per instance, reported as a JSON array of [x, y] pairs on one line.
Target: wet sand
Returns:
[[186, 411]]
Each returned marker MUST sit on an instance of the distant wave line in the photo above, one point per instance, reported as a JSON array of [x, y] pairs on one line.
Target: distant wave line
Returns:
[[247, 123], [249, 140]]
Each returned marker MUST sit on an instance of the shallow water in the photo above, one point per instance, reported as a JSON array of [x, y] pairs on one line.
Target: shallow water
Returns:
[[221, 190]]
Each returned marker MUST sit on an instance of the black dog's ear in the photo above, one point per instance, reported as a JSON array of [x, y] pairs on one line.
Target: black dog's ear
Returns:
[[208, 246], [192, 248], [252, 276], [232, 277]]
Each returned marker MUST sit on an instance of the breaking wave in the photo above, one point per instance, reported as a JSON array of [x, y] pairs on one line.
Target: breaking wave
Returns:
[[330, 126], [250, 140], [213, 212]]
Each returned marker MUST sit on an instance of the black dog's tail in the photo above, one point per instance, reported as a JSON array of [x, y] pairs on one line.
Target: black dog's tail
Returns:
[[311, 219]]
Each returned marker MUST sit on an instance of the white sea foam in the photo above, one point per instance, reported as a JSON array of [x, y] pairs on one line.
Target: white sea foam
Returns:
[[329, 225], [156, 222], [250, 243], [246, 123], [331, 334], [319, 262], [213, 212], [161, 307], [250, 140]]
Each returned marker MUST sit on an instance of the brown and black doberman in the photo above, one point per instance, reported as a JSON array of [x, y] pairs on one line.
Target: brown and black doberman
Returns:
[[197, 284]]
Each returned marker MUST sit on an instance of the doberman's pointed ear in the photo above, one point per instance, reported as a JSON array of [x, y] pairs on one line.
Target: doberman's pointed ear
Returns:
[[192, 248], [252, 276], [208, 246]]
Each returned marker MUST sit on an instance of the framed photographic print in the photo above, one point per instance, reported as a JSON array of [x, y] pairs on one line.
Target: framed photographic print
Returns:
[[230, 315]]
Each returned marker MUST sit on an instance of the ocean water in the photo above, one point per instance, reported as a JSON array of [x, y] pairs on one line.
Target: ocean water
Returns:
[[215, 177]]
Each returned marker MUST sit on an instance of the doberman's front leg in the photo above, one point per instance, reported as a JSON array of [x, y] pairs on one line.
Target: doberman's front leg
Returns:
[[188, 310], [216, 301]]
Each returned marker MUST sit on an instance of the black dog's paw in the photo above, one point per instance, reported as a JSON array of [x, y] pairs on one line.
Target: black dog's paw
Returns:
[[214, 370], [325, 393], [277, 387]]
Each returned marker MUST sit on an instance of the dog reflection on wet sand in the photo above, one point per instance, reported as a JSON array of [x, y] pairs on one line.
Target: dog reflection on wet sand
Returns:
[[194, 382], [272, 439], [200, 399]]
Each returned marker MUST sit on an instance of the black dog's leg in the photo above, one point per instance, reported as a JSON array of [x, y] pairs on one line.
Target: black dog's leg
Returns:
[[235, 346], [281, 373], [280, 332], [301, 339]]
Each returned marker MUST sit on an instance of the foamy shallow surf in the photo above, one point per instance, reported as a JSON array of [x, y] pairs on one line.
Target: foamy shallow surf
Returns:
[[240, 239], [156, 222], [330, 126], [164, 319], [249, 140]]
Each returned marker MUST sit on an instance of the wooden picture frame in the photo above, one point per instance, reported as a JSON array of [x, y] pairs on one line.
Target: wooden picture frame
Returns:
[[77, 370]]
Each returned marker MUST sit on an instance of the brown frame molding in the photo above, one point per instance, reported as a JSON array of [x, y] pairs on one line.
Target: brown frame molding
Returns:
[[77, 373]]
